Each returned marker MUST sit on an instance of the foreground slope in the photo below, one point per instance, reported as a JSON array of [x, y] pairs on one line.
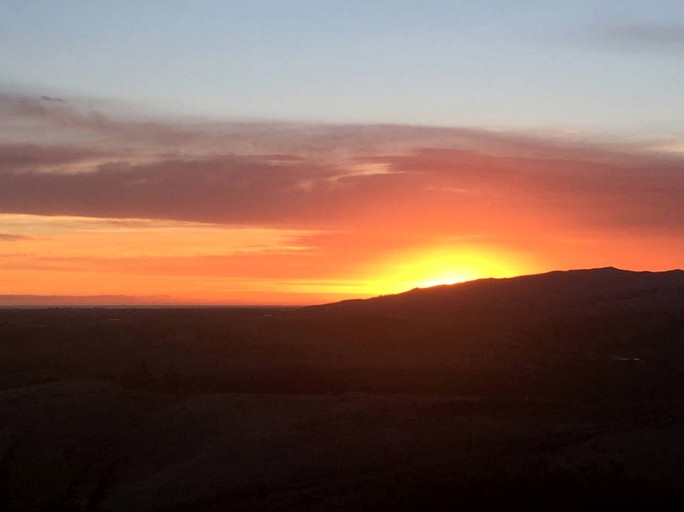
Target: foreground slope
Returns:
[[562, 391], [596, 332], [92, 446]]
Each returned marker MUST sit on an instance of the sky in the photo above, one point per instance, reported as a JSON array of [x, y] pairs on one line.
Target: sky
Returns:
[[301, 151]]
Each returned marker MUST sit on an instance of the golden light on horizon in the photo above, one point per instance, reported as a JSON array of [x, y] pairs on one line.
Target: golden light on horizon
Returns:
[[446, 265]]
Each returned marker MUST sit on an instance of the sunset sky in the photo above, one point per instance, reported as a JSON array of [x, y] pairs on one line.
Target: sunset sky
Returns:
[[304, 151]]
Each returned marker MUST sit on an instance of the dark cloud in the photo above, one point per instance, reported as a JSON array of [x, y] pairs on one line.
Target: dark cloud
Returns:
[[4, 237], [319, 176], [225, 189], [33, 157], [52, 98], [430, 185], [628, 192]]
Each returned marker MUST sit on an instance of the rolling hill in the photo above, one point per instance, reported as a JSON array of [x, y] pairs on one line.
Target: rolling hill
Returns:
[[602, 290], [560, 391]]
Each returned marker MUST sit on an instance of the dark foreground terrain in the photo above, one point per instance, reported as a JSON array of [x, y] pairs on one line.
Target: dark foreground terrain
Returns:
[[563, 391]]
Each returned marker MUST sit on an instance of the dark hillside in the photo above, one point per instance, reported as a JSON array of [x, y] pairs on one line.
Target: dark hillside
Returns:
[[604, 290], [562, 391], [599, 334]]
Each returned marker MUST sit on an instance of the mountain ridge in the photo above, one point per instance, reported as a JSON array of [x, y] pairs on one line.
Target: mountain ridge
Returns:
[[559, 288]]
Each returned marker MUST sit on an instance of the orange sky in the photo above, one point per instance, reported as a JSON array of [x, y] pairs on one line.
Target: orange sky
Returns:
[[105, 210]]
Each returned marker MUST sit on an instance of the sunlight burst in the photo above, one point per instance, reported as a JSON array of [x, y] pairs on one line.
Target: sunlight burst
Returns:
[[434, 267]]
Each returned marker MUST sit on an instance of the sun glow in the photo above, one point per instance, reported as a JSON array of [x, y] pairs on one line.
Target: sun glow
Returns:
[[433, 267], [451, 278]]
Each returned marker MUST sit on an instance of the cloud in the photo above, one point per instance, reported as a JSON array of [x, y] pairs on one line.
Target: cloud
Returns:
[[44, 158], [36, 122], [44, 116], [78, 300], [216, 189], [51, 98], [642, 36], [432, 179], [449, 186], [650, 34], [5, 237]]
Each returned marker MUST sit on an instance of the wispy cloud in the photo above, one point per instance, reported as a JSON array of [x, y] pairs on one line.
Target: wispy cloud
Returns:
[[640, 36], [5, 237], [52, 98], [649, 34], [79, 300], [630, 188], [44, 115]]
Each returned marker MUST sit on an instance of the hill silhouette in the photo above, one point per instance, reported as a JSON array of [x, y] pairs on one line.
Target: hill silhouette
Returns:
[[601, 290]]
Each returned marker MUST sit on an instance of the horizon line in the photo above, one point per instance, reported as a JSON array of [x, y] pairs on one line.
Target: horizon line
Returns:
[[182, 305]]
